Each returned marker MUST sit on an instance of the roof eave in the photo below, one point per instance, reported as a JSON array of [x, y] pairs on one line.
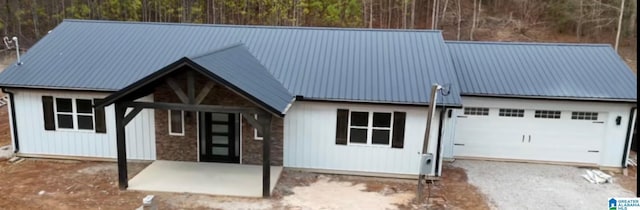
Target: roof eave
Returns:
[[34, 87], [621, 100], [395, 103]]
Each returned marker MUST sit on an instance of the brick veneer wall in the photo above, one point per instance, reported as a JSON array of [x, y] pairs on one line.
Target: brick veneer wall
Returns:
[[252, 149], [185, 148]]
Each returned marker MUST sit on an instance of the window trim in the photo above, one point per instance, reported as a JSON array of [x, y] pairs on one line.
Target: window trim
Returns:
[[547, 114], [255, 131], [509, 112], [575, 115], [370, 129], [476, 111], [74, 115], [169, 123]]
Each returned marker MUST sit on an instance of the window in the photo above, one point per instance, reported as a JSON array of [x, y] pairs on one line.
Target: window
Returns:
[[549, 114], [511, 113], [372, 128], [476, 111], [85, 114], [176, 122], [74, 114], [64, 112], [360, 131], [256, 135], [584, 115]]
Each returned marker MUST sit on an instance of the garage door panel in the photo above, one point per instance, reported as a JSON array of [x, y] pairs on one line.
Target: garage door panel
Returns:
[[545, 139]]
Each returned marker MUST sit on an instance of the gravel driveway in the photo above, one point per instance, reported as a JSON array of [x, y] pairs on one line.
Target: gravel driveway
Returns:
[[538, 186]]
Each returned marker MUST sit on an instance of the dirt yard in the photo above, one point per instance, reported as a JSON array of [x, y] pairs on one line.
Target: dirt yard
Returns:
[[39, 184]]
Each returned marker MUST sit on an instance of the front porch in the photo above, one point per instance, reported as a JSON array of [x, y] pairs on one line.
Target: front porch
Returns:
[[204, 178], [222, 94]]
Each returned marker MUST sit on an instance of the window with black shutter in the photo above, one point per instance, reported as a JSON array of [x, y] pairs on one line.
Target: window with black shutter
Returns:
[[69, 114], [370, 128]]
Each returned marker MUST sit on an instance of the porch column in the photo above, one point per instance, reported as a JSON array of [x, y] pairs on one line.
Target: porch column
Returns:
[[265, 122], [123, 181]]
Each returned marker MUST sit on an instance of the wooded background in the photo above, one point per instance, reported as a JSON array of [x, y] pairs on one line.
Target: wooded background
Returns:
[[503, 20]]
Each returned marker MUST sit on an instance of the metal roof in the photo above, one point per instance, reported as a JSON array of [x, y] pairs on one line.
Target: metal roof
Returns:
[[232, 66], [236, 66], [542, 70], [368, 65]]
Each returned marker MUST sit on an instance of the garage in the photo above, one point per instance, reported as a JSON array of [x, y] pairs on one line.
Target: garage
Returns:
[[530, 134], [551, 103]]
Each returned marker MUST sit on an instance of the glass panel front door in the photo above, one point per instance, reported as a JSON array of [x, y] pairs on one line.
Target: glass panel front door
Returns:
[[218, 137]]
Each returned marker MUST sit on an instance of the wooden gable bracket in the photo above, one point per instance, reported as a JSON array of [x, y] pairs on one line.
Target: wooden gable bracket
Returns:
[[190, 97], [128, 117], [176, 89], [204, 92], [253, 122]]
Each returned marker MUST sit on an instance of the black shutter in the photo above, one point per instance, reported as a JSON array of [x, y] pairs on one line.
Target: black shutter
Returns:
[[100, 124], [397, 139], [342, 126], [47, 110]]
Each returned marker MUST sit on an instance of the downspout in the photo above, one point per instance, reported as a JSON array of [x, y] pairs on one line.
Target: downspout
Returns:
[[14, 125], [439, 150], [628, 138]]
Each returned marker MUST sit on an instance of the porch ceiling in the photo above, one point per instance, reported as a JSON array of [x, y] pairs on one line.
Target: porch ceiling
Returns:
[[204, 178]]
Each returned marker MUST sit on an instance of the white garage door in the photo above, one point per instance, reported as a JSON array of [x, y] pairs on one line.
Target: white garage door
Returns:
[[524, 134]]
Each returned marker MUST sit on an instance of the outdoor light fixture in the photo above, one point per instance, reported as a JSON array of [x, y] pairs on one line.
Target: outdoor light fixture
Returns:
[[618, 120]]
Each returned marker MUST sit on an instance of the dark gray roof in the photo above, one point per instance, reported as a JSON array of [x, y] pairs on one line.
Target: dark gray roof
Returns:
[[232, 66], [546, 70], [386, 66], [237, 67]]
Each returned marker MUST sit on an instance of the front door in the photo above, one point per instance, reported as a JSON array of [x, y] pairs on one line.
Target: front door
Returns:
[[219, 141]]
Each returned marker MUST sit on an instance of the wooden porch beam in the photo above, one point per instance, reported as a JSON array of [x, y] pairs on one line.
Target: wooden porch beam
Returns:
[[123, 180], [265, 121], [204, 92], [176, 89], [191, 88], [131, 115], [191, 107]]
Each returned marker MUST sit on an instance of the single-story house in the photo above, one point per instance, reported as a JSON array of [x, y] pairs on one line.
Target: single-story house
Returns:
[[337, 100]]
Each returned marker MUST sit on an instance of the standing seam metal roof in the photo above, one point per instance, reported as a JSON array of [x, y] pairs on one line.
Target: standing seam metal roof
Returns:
[[385, 66], [546, 70]]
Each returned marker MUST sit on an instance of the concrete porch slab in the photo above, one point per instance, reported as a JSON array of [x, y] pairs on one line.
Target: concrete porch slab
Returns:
[[205, 178]]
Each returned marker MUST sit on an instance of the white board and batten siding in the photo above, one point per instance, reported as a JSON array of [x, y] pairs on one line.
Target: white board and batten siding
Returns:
[[591, 142], [310, 140], [35, 140]]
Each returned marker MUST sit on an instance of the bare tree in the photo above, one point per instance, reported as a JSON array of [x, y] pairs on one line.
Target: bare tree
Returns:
[[433, 15], [619, 25], [444, 10], [404, 14], [370, 13], [473, 21], [34, 14], [459, 18], [437, 10], [580, 20], [632, 18], [413, 13]]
